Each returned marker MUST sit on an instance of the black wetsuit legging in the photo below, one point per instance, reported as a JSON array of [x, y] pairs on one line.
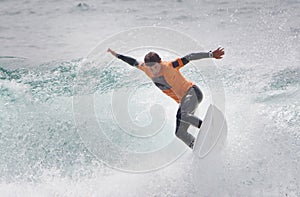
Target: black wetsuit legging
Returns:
[[185, 115]]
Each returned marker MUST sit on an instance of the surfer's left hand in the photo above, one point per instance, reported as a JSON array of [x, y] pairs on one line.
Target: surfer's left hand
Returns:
[[218, 53]]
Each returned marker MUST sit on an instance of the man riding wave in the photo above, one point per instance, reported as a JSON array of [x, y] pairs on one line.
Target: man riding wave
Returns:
[[168, 78]]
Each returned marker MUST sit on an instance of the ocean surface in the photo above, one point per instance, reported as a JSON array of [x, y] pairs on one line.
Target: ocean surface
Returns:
[[43, 53]]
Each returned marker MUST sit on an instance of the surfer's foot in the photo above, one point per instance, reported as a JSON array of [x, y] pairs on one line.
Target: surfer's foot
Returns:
[[200, 123], [192, 144]]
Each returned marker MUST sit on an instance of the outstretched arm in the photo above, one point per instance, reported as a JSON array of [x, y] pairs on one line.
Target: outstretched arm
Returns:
[[180, 62], [129, 60], [218, 54]]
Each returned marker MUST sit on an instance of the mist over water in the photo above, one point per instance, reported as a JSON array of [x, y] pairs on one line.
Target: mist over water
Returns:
[[43, 45]]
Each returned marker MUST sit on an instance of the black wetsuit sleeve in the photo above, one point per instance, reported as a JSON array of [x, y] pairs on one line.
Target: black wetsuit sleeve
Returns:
[[194, 56], [197, 56], [179, 63], [184, 60], [131, 61]]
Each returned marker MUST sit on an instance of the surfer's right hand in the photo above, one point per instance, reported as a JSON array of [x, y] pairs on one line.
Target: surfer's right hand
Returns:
[[112, 52]]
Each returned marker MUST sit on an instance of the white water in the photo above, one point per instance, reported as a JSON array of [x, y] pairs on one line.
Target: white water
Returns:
[[41, 153]]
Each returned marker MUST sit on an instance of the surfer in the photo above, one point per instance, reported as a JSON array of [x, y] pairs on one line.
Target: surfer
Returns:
[[167, 77]]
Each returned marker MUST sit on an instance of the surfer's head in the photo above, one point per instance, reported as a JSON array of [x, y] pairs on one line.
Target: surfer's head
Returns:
[[152, 60]]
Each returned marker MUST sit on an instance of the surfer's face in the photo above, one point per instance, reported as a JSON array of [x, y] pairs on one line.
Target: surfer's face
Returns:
[[155, 69]]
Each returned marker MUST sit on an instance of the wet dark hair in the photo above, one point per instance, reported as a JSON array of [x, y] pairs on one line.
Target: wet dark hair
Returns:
[[151, 58]]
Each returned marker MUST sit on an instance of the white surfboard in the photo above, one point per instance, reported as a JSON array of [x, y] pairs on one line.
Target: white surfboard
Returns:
[[212, 132]]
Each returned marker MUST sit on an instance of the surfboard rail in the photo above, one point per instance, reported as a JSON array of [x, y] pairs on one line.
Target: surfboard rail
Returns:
[[212, 132]]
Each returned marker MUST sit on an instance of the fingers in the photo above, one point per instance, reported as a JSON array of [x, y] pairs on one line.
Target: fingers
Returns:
[[218, 53], [221, 51], [112, 52]]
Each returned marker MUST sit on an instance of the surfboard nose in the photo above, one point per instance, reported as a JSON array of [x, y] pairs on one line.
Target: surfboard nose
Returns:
[[212, 132]]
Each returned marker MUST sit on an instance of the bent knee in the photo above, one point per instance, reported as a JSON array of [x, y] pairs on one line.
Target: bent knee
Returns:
[[183, 115], [198, 93], [199, 96]]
